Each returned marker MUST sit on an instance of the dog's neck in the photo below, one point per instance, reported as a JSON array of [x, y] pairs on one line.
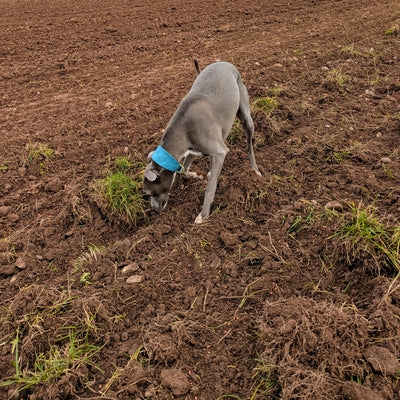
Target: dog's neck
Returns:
[[173, 143]]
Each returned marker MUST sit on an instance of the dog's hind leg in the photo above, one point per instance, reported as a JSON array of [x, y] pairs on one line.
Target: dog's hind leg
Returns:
[[245, 118]]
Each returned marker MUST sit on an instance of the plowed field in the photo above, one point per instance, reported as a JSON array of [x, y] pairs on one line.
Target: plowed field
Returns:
[[288, 291]]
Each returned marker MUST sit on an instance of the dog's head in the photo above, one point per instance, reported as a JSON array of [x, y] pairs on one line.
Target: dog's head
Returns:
[[157, 184]]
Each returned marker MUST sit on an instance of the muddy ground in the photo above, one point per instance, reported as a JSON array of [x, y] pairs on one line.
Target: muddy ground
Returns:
[[264, 300]]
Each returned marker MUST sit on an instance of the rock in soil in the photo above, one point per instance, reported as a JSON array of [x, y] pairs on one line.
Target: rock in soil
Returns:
[[135, 279], [334, 205], [132, 267], [20, 263], [4, 210]]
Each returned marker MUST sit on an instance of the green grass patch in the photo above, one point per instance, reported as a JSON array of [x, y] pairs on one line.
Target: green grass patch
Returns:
[[364, 232], [68, 356], [265, 104], [119, 193]]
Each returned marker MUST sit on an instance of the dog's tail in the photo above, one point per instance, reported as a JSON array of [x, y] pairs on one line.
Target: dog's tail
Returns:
[[196, 64]]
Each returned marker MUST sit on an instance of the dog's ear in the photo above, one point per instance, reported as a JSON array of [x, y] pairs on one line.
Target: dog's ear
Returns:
[[149, 156], [151, 174]]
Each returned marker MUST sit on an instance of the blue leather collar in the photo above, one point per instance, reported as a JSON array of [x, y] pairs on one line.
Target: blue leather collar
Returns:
[[165, 160]]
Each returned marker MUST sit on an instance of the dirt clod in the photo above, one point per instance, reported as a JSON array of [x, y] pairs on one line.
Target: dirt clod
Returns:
[[382, 360], [175, 380], [4, 210], [356, 391]]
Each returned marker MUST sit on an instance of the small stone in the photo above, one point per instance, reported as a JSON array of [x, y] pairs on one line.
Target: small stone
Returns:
[[382, 360], [132, 267], [175, 380], [386, 160], [4, 210], [135, 279], [13, 217], [298, 206], [150, 392], [334, 205], [379, 134], [20, 263], [278, 65], [126, 243]]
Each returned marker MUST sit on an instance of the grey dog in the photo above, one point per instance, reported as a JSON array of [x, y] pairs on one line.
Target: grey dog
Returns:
[[198, 127]]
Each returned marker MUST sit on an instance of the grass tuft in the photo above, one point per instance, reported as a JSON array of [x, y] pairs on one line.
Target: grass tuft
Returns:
[[394, 30], [265, 378], [66, 358], [36, 150], [265, 104], [366, 233], [119, 192], [338, 78]]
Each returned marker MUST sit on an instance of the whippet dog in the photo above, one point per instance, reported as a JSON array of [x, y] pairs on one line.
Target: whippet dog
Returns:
[[198, 127]]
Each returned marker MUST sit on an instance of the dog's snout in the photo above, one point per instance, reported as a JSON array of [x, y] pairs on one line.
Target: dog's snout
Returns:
[[158, 204]]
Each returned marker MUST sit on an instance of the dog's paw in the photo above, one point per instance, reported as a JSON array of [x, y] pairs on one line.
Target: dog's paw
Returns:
[[199, 219], [192, 174]]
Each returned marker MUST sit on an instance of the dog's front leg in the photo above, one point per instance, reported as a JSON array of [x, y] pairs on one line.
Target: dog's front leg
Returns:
[[217, 161]]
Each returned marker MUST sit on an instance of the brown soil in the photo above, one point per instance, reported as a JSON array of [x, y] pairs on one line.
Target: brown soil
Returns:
[[246, 305]]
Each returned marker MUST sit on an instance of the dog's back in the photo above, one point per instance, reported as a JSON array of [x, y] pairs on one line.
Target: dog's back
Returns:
[[217, 90]]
